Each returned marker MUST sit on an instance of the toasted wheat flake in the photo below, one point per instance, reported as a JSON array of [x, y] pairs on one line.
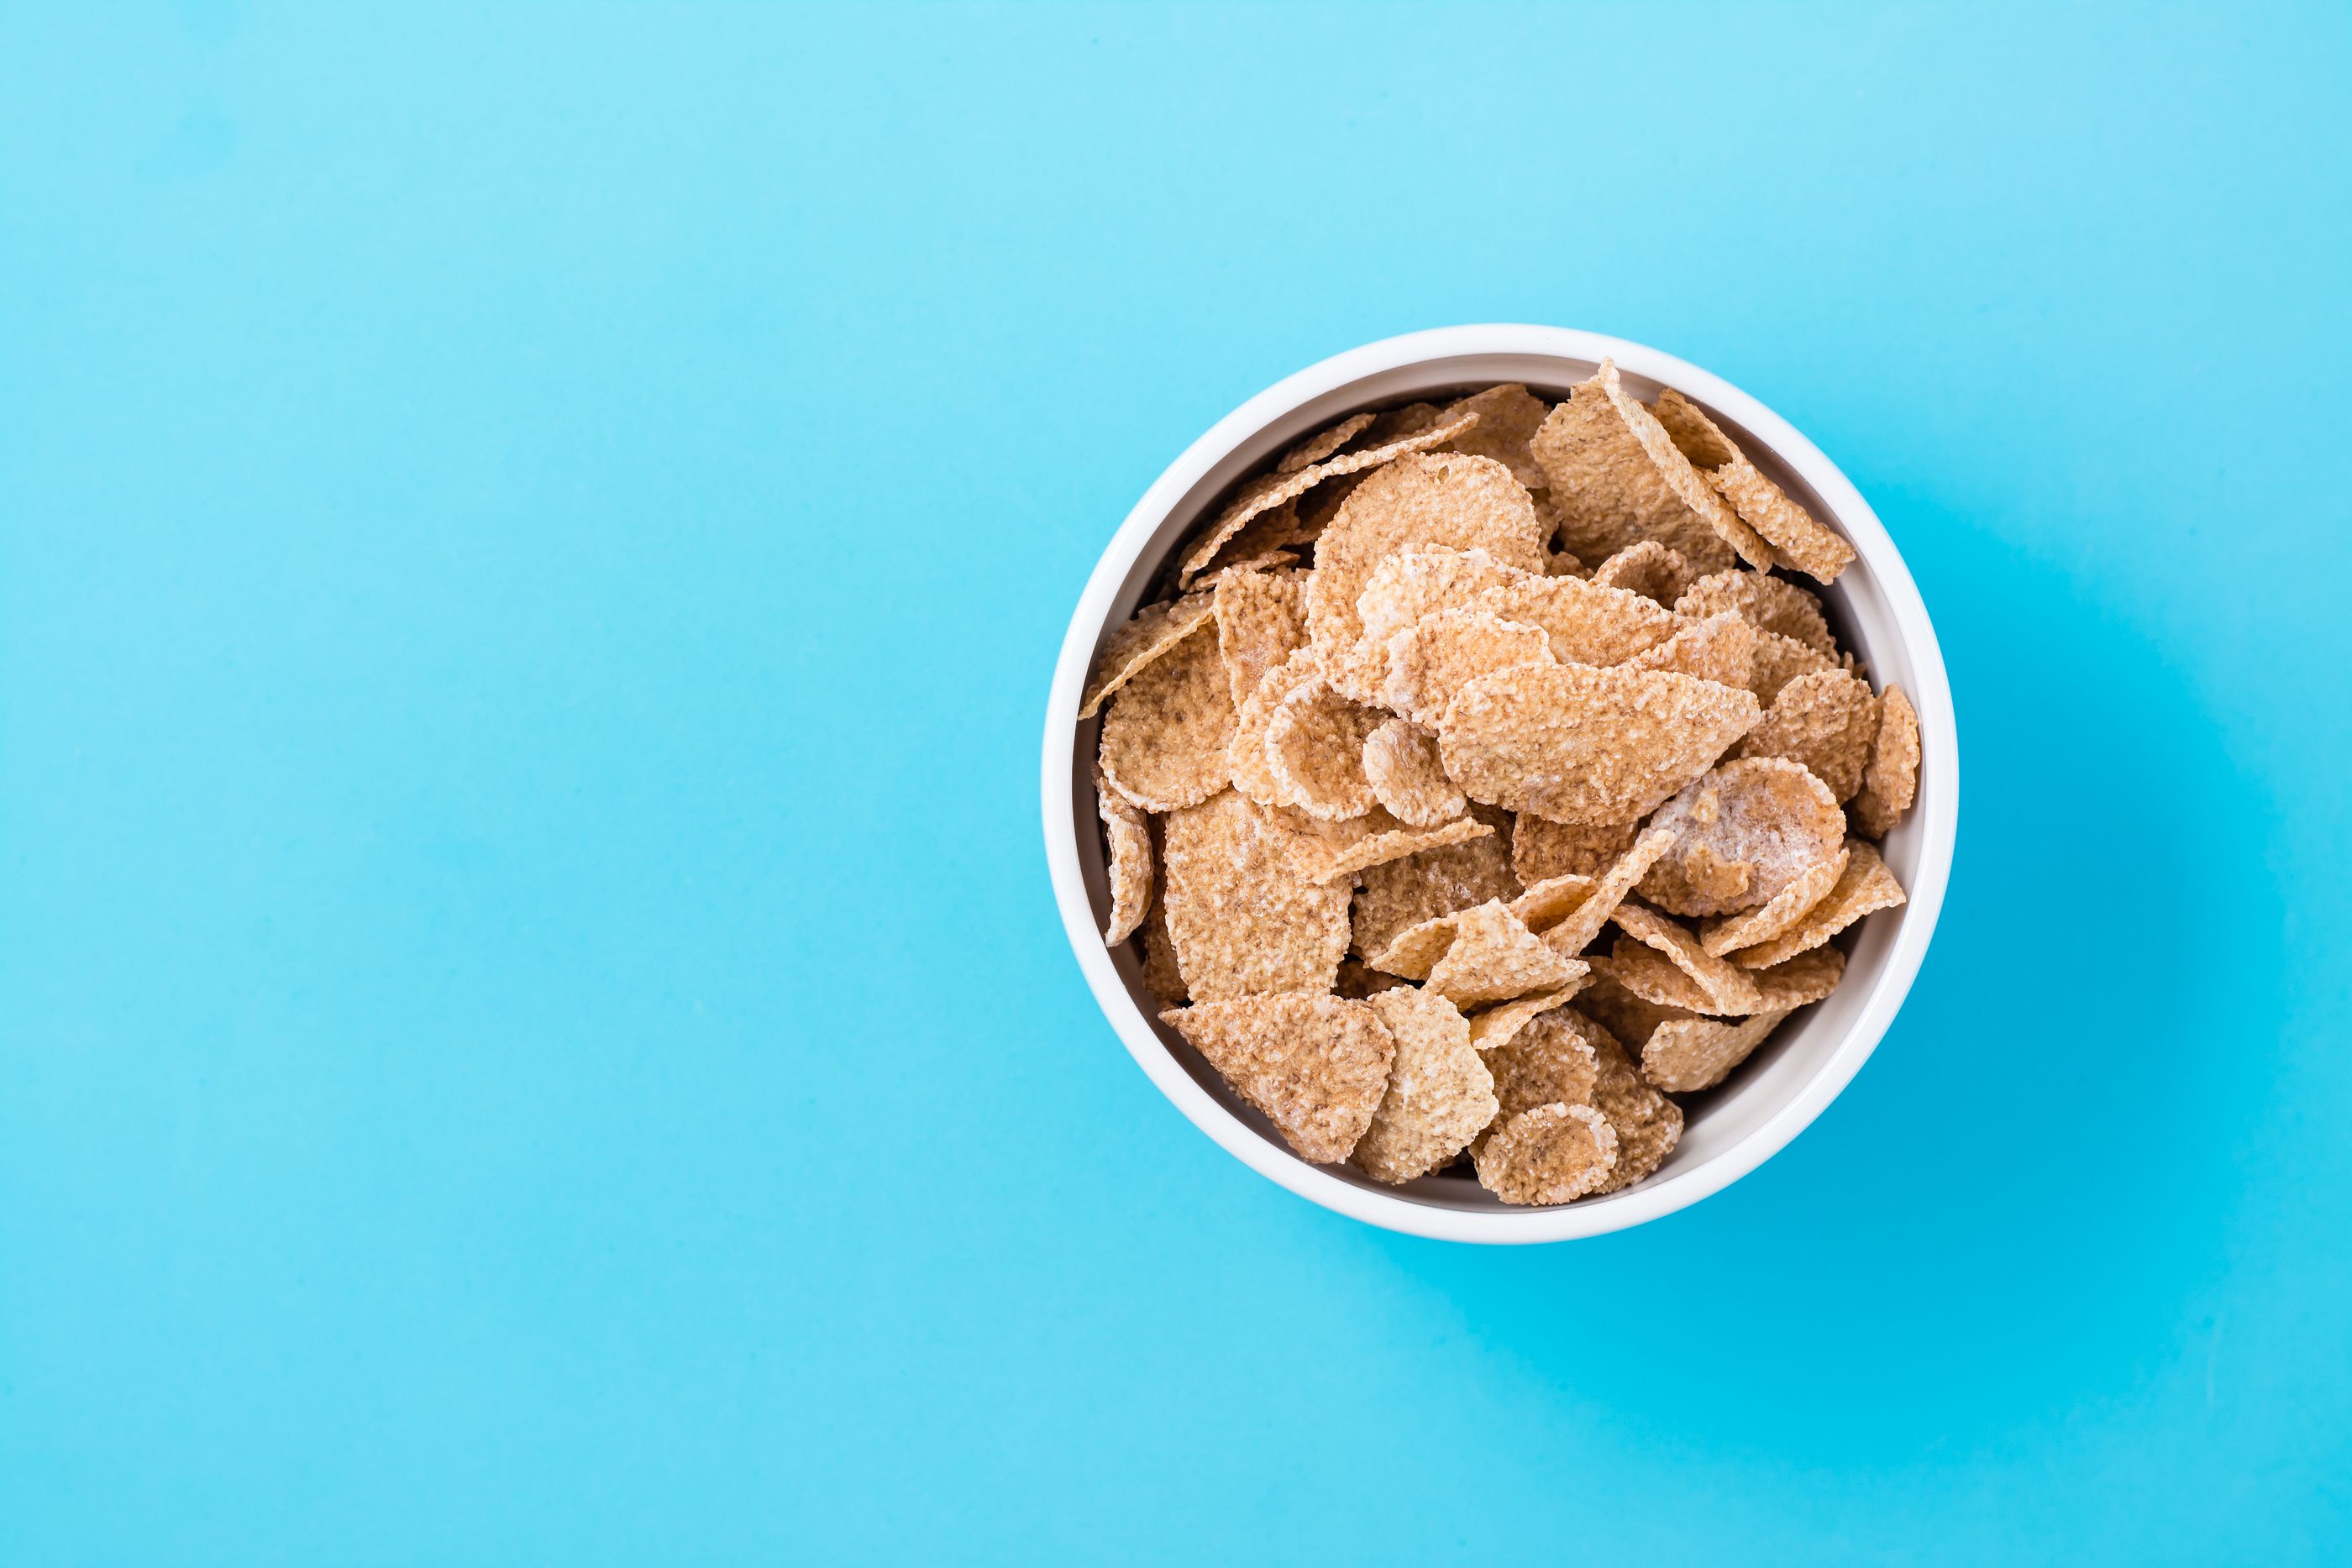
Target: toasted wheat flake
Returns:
[[1360, 981], [1496, 1027], [1401, 763], [1865, 887], [1629, 1017], [1786, 907], [1606, 491], [1440, 1095], [1687, 1055], [1260, 622], [1262, 539], [1242, 917], [1768, 603], [1321, 445], [1548, 903], [1272, 491], [1582, 745], [1495, 958], [1314, 1066], [1164, 741], [1806, 978], [1396, 424], [1778, 660], [1808, 545], [1587, 623], [1654, 978], [1553, 1153], [1689, 485], [1413, 583], [1128, 832], [1655, 571], [1446, 500], [1747, 830], [1508, 418], [1127, 651], [1541, 848], [1566, 563], [1648, 1124], [1826, 720], [1729, 987], [1246, 762], [1575, 931], [1424, 665], [1721, 648], [1891, 779], [1402, 893], [1547, 1060], [1338, 851], [1315, 752], [1163, 977]]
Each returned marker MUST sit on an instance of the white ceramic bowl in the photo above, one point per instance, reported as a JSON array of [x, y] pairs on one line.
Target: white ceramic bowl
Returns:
[[1873, 606]]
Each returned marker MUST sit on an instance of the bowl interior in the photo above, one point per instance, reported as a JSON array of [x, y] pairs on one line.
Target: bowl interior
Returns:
[[1859, 613]]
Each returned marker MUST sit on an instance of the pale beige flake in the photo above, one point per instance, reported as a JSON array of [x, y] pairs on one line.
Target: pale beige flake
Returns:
[[1314, 1066], [1329, 851], [1808, 545], [1721, 648], [1245, 755], [1648, 1124], [1548, 903], [1541, 848], [1788, 906], [1424, 665], [1265, 494], [1508, 418], [1446, 500], [1548, 1060], [1401, 763], [1439, 1097], [1655, 571], [1165, 740], [1768, 603], [1806, 978], [1413, 583], [1241, 916], [1262, 538], [1778, 660], [1396, 424], [1575, 931], [1606, 491], [1553, 1153], [1828, 721], [1891, 779], [1477, 956], [1128, 835], [1745, 830], [1651, 976], [1863, 888], [1582, 745], [1498, 1026], [1727, 987], [1402, 893], [1587, 623], [1318, 446], [1686, 1055], [1260, 622], [1689, 485], [1315, 752], [1127, 651]]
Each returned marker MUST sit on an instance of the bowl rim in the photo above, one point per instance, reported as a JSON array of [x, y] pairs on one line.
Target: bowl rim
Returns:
[[1938, 788]]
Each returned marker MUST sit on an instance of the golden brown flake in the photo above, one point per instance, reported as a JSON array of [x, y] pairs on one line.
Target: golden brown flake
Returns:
[[1630, 1017], [1778, 660], [1401, 763], [1581, 745], [1587, 623], [1553, 1153], [1766, 814], [1164, 741], [1806, 978], [1647, 1124], [1508, 418], [1892, 781], [1548, 903], [1315, 752], [1440, 1095], [1125, 652], [1332, 851], [1689, 485], [1321, 445], [1575, 931], [1728, 988], [1541, 848], [1399, 894], [1655, 571], [1788, 906], [1128, 833], [1162, 976], [1685, 1055], [1801, 538], [1412, 583], [1767, 603], [1498, 1026], [1865, 887], [1495, 958], [1607, 492], [1314, 1066], [1260, 622], [1548, 1060], [1721, 648], [1828, 721], [1246, 763], [1242, 917], [1428, 661]]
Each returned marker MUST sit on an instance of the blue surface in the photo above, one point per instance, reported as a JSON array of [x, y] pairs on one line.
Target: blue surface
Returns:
[[532, 1028]]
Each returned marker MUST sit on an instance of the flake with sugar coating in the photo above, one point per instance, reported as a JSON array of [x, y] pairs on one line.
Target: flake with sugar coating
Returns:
[[1721, 648], [1509, 417], [1686, 482], [1606, 491], [1587, 623], [1728, 988], [1439, 1097], [1260, 622], [1648, 1124], [1498, 1026], [1421, 582], [1684, 1056], [1827, 720], [1745, 830], [1865, 887], [1315, 752], [1801, 538], [1128, 833], [1553, 1153], [1891, 780], [1322, 444], [1656, 571], [1399, 894], [1428, 661], [1462, 503], [1266, 493], [1127, 651], [1401, 763], [1164, 742], [1550, 1060], [1768, 603], [1788, 906], [1582, 745], [1541, 848], [1246, 763], [1241, 916], [1314, 1066], [1577, 929]]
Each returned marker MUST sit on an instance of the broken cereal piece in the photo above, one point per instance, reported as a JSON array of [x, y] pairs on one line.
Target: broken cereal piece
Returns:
[[1726, 988], [1768, 603], [1684, 1056], [1802, 541], [1128, 833], [1402, 766], [1315, 752], [1241, 916], [1420, 581], [1315, 1066], [1541, 848], [1721, 648], [1321, 445], [1687, 484], [1439, 1097], [1828, 721], [1586, 622], [1260, 622], [1125, 652], [1576, 930], [1436, 656], [1402, 893], [1164, 742], [1499, 1025], [1745, 830], [1548, 1062], [1553, 1153], [1891, 779], [1509, 417], [1606, 491], [1865, 887]]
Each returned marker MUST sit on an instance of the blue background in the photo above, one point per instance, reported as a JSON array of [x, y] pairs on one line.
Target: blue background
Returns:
[[531, 550]]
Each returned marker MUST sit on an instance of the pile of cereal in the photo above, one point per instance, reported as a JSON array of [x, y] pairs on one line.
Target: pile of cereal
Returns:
[[1371, 820]]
